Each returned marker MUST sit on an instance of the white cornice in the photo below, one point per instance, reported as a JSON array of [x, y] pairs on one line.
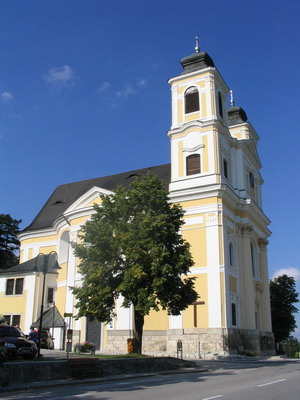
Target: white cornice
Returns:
[[92, 194], [40, 233], [196, 193]]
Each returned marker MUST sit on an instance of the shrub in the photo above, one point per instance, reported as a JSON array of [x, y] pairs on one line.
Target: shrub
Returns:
[[85, 347]]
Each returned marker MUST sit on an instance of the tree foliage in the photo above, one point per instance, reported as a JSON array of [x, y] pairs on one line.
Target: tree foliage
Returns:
[[283, 297], [132, 247], [9, 243]]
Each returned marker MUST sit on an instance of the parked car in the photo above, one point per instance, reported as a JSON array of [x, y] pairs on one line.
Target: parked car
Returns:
[[47, 340], [15, 342]]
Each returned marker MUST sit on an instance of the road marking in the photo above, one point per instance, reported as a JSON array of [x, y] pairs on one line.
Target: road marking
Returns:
[[214, 397], [271, 383]]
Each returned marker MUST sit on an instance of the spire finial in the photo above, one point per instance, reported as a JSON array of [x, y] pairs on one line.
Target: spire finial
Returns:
[[231, 99], [197, 49]]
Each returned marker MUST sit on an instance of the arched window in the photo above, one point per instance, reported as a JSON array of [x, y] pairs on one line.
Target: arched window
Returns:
[[254, 260], [220, 104], [191, 98], [63, 250], [193, 164], [231, 255], [233, 314]]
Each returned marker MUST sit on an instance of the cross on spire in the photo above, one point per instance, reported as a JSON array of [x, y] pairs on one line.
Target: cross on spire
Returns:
[[197, 49]]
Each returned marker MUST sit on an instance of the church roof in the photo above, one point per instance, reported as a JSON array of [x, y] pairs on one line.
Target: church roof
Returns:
[[65, 195]]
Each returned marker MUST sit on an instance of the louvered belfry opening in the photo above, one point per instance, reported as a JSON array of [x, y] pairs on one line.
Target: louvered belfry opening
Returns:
[[191, 100], [193, 164]]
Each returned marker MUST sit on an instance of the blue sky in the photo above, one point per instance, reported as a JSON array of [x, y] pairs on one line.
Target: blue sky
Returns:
[[82, 81]]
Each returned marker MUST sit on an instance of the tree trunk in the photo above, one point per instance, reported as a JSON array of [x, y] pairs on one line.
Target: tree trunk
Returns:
[[138, 331]]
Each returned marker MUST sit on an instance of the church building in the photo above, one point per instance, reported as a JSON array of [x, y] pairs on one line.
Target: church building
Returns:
[[215, 175]]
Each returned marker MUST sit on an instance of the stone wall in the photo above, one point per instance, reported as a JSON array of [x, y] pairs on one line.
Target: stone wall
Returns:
[[196, 343], [79, 368]]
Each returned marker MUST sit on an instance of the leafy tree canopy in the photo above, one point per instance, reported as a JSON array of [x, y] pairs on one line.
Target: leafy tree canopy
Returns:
[[9, 243], [132, 247], [283, 297]]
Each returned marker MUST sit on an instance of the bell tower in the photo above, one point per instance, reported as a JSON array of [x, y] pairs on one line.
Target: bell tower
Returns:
[[215, 176], [198, 112]]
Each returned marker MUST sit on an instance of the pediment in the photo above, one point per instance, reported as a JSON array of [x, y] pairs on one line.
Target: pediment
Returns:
[[89, 198]]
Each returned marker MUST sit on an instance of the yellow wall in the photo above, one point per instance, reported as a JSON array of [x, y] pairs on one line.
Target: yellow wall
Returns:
[[197, 239], [202, 310], [60, 299], [156, 320], [39, 239], [62, 273], [14, 305]]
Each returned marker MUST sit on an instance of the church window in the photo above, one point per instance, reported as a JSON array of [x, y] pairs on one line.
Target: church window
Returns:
[[50, 295], [231, 255], [254, 261], [220, 102], [191, 100], [226, 168], [63, 251], [193, 164], [233, 314]]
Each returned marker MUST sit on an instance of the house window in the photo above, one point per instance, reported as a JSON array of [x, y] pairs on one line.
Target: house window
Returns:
[[10, 287], [191, 98], [231, 255], [8, 319], [16, 319], [14, 286], [233, 314], [50, 296], [193, 164], [13, 320], [220, 104]]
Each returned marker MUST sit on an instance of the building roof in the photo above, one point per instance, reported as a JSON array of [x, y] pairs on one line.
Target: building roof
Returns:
[[51, 319], [65, 195], [26, 266]]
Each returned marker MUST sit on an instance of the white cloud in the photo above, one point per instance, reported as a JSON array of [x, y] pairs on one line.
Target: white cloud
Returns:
[[291, 271], [105, 85], [61, 76], [6, 96], [127, 91], [142, 82]]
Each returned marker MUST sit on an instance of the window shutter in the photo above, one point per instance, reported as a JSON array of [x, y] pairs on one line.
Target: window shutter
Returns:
[[193, 164]]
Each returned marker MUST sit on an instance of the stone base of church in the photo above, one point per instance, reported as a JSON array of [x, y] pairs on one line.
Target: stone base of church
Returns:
[[196, 343]]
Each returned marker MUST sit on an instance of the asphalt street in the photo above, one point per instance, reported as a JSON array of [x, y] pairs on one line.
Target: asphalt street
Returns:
[[225, 381]]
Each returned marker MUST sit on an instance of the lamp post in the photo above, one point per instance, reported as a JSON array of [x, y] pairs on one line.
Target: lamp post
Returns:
[[45, 263]]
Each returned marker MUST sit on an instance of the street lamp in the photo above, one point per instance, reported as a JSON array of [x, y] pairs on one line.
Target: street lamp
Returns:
[[45, 263]]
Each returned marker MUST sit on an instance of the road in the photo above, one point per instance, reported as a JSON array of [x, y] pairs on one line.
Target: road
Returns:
[[224, 381]]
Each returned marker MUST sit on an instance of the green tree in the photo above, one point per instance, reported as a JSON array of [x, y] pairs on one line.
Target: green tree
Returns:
[[283, 296], [132, 247], [9, 243]]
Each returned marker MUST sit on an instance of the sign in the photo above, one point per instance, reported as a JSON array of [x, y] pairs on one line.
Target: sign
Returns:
[[69, 334], [68, 314]]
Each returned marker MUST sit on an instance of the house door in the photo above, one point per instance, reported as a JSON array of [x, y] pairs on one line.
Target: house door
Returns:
[[93, 332]]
